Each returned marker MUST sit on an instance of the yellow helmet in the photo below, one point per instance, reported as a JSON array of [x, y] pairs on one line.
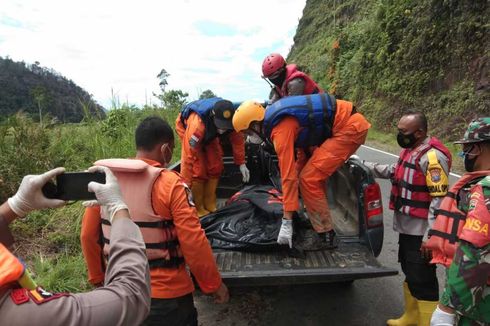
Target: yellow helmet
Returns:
[[248, 112]]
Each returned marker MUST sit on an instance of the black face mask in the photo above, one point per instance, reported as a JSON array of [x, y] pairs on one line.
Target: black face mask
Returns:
[[279, 79], [469, 164], [406, 141]]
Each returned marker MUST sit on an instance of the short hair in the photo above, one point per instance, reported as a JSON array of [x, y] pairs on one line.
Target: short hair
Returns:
[[419, 116], [152, 131]]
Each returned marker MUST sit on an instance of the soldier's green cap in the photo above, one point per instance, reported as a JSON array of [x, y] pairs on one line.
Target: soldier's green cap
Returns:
[[478, 131]]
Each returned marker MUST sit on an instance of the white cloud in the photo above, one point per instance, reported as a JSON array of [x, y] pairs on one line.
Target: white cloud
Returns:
[[124, 44]]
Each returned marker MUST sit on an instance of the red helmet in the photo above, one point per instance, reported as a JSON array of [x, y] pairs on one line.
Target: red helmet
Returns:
[[272, 63]]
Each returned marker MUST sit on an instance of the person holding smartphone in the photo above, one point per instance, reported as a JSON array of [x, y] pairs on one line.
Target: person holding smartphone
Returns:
[[125, 297], [161, 204]]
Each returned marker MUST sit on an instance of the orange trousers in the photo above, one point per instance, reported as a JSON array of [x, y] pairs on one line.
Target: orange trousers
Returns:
[[207, 162], [325, 160]]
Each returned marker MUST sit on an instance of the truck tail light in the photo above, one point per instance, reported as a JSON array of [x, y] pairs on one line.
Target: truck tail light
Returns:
[[373, 206]]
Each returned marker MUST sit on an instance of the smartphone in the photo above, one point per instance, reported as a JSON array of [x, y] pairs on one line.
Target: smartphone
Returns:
[[73, 185]]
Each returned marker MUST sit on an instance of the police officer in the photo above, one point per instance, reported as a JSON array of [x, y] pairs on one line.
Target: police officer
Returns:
[[420, 180], [466, 253], [287, 80], [125, 298]]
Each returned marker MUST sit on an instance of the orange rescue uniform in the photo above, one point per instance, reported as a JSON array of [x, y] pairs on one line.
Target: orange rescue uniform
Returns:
[[169, 198], [204, 161], [348, 133]]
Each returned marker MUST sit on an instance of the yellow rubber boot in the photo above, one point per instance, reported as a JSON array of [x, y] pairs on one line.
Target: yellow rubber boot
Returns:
[[411, 314], [198, 196], [210, 194], [426, 308]]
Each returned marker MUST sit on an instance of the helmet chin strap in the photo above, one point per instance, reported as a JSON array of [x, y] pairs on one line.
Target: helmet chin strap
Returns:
[[268, 82]]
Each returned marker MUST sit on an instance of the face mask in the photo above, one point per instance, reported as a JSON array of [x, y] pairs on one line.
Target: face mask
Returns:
[[406, 141], [469, 164], [254, 139], [279, 79]]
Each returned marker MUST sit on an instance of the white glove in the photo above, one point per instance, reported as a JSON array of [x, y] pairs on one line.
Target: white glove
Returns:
[[441, 318], [286, 233], [355, 157], [108, 194], [30, 196], [245, 173]]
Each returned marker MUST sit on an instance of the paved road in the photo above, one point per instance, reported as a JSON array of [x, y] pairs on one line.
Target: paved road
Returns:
[[365, 302]]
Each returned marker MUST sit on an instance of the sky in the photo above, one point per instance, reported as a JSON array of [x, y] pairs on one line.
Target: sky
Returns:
[[119, 47]]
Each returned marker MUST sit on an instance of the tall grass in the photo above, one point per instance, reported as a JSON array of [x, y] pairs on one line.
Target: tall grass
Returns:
[[49, 240]]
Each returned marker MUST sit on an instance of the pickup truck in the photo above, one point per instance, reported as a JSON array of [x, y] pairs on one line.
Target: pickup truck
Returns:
[[355, 203]]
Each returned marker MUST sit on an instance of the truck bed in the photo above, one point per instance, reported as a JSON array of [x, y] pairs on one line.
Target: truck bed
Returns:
[[348, 262]]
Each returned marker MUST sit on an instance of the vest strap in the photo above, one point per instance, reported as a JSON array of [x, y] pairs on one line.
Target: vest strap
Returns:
[[159, 224], [173, 262], [411, 203], [409, 165], [453, 236], [413, 188], [155, 245]]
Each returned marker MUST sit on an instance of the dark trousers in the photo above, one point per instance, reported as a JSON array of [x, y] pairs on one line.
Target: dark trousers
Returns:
[[175, 312], [419, 274]]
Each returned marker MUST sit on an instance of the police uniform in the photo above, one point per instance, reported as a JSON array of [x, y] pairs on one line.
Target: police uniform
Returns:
[[420, 276], [124, 300]]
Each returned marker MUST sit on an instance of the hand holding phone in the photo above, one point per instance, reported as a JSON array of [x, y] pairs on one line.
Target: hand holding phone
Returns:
[[73, 186]]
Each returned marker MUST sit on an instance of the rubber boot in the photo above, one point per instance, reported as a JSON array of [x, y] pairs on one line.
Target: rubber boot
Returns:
[[198, 196], [426, 308], [411, 314], [210, 194]]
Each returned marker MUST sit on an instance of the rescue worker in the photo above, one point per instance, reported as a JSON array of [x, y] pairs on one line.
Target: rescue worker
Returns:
[[419, 182], [460, 238], [324, 132], [161, 205], [287, 80], [200, 125], [125, 298]]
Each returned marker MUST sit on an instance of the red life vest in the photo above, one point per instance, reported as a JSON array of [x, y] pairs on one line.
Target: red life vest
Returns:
[[409, 193], [449, 223], [292, 72], [136, 179]]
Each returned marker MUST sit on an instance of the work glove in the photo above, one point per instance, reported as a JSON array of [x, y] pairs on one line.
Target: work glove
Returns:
[[355, 157], [441, 318], [108, 194], [245, 173], [286, 233], [30, 197]]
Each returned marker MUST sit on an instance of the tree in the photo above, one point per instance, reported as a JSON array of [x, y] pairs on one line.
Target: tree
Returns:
[[163, 75], [207, 94], [40, 96], [173, 99]]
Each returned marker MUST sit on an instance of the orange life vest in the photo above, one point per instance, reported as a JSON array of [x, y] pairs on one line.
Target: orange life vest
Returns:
[[292, 72], [11, 269], [136, 179], [449, 223]]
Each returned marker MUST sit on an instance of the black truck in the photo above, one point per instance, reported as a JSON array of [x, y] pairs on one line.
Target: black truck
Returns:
[[357, 212]]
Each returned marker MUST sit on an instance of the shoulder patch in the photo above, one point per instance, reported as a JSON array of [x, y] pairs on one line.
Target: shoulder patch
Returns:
[[194, 141], [38, 296], [435, 174], [188, 193]]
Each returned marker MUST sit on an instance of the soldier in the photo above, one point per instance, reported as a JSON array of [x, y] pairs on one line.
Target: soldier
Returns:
[[467, 291], [125, 297]]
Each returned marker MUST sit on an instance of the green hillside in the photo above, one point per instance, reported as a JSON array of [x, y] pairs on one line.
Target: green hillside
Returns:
[[389, 55], [39, 91]]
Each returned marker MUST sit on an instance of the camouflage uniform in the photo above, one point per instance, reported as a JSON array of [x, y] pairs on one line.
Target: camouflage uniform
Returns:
[[467, 290]]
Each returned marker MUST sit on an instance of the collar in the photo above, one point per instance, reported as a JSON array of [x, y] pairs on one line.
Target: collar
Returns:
[[149, 162]]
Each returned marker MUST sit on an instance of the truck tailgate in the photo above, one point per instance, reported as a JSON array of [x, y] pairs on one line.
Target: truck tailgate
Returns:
[[349, 262]]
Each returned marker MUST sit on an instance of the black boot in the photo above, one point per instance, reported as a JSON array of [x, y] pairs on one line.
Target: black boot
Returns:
[[331, 239]]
